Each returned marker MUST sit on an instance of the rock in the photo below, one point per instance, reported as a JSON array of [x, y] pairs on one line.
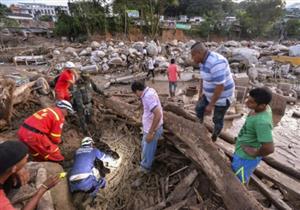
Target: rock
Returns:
[[244, 43], [95, 45], [245, 55], [297, 70], [86, 51], [174, 42], [70, 50], [190, 43], [56, 52], [232, 44], [138, 46], [189, 69], [124, 57], [132, 51], [284, 69], [294, 50], [252, 73], [116, 61], [105, 67], [225, 51], [279, 47], [100, 53], [152, 50]]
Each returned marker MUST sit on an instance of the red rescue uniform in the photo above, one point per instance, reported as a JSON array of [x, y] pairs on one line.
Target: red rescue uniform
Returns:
[[65, 80], [41, 132]]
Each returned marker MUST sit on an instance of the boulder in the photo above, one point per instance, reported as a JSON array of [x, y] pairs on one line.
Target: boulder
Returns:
[[190, 43], [95, 45], [279, 47], [225, 51], [152, 50], [105, 67], [294, 50], [284, 69], [56, 52], [100, 54], [245, 55], [232, 44], [70, 50], [138, 46], [116, 61]]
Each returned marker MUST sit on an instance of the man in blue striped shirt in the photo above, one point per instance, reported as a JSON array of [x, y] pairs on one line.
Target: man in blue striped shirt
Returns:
[[216, 86]]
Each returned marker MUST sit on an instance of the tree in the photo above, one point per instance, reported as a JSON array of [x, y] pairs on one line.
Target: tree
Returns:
[[293, 28], [258, 16], [47, 18], [150, 12], [3, 9]]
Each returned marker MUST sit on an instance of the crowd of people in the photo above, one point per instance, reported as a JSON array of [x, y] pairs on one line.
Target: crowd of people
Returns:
[[40, 134]]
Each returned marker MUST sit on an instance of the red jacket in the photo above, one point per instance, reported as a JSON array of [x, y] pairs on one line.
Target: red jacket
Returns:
[[49, 121], [66, 78]]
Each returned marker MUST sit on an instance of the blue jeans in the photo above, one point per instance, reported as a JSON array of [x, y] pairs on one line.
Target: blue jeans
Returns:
[[149, 149], [219, 113], [243, 168]]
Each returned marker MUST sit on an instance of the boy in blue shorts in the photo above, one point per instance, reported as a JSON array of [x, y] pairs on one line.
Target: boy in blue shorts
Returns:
[[255, 138]]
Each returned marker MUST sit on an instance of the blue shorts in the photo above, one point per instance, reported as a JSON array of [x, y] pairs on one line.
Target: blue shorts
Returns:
[[243, 168]]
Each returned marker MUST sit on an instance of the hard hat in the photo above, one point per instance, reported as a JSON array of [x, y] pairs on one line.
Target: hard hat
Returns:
[[87, 141], [65, 105], [70, 65]]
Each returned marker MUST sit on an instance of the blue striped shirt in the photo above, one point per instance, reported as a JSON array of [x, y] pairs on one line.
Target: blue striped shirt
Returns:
[[215, 70]]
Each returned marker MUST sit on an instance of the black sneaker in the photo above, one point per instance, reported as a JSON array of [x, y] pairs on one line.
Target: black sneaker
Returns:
[[214, 137]]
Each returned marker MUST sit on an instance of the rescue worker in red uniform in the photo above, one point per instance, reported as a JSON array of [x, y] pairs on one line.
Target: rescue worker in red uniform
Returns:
[[41, 132], [66, 79]]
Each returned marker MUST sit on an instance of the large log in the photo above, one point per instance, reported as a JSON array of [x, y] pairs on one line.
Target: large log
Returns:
[[182, 188], [288, 185], [276, 199], [235, 196], [230, 138]]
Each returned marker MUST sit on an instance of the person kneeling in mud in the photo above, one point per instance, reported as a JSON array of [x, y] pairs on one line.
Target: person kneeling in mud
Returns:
[[84, 175]]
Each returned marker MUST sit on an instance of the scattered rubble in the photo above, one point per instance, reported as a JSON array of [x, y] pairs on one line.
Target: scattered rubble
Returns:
[[183, 176]]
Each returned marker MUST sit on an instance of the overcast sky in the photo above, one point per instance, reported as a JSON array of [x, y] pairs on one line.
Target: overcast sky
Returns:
[[64, 2]]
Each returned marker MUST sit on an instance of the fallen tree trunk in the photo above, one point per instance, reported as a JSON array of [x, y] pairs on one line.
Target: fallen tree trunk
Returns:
[[182, 188], [233, 193], [288, 185], [276, 199], [287, 169]]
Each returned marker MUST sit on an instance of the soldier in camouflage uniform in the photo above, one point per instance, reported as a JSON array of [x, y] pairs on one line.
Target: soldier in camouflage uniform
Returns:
[[82, 99]]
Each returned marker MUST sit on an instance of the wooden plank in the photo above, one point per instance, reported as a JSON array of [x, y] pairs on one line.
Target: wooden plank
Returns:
[[182, 188], [276, 200], [286, 183]]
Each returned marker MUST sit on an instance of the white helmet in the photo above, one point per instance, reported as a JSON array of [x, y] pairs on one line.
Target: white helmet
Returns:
[[86, 141], [65, 105], [70, 65]]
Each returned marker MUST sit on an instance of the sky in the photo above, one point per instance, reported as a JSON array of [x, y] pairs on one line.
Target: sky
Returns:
[[64, 2]]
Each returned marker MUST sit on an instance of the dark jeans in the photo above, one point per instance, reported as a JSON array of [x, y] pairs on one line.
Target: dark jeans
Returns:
[[219, 113], [150, 71]]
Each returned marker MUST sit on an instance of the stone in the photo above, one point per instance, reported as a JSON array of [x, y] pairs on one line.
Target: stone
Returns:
[[95, 45], [284, 69], [232, 44], [56, 52], [70, 50], [152, 50], [245, 55], [294, 50], [225, 51], [116, 61], [100, 53], [138, 46], [105, 67], [279, 47]]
